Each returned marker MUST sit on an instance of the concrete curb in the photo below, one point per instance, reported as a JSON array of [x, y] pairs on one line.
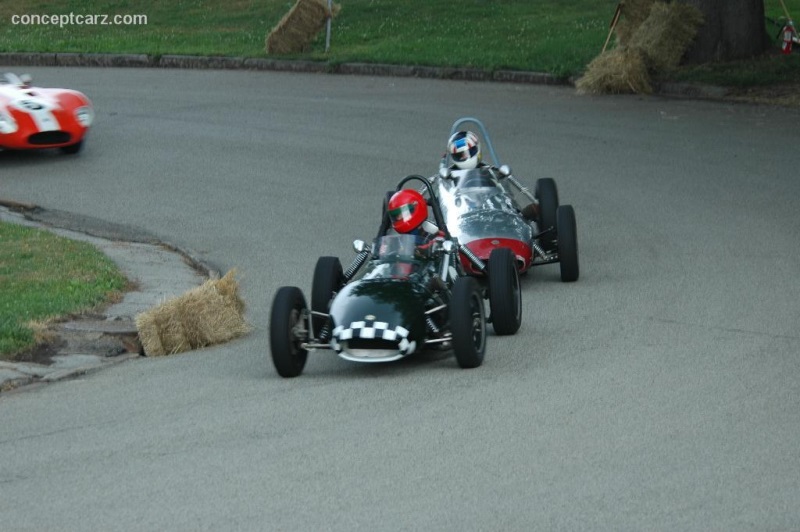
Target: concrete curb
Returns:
[[270, 64], [86, 343], [104, 229], [677, 90], [17, 375]]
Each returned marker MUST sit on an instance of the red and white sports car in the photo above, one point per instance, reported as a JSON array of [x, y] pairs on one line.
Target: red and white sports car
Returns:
[[35, 118]]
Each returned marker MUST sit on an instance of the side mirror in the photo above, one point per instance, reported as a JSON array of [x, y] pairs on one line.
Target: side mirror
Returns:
[[444, 172], [359, 246], [505, 170]]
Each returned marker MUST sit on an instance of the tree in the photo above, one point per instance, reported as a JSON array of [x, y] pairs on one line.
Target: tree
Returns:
[[732, 29]]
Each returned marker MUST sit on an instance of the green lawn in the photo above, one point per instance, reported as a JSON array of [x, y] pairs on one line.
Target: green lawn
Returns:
[[554, 36], [45, 276]]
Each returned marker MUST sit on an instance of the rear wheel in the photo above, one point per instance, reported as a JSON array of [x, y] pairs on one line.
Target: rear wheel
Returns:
[[567, 244], [467, 323], [505, 300], [287, 330], [386, 199], [547, 195], [328, 279]]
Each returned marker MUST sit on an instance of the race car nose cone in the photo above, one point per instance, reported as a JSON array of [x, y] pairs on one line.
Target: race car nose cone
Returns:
[[377, 320], [372, 341]]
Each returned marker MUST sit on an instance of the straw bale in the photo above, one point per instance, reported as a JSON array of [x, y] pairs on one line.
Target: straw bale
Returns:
[[666, 34], [633, 13], [653, 39], [618, 71], [298, 28], [209, 314]]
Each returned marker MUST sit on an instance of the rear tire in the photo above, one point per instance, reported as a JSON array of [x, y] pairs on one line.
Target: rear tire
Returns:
[[386, 199], [288, 357], [568, 244], [328, 279], [468, 323], [505, 299], [546, 194]]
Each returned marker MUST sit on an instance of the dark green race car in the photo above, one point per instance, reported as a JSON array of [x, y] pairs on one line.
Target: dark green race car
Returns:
[[397, 298]]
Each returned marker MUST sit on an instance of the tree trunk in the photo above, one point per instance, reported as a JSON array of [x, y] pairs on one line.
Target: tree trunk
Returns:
[[733, 29]]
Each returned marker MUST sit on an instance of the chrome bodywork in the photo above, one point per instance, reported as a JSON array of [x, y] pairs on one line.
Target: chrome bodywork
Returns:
[[483, 214], [481, 209], [477, 206]]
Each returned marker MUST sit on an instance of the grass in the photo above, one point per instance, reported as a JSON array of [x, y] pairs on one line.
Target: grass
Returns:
[[558, 36], [555, 36], [768, 70], [44, 276]]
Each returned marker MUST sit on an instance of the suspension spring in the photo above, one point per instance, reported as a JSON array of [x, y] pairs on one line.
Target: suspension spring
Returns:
[[479, 264], [357, 263], [325, 333], [538, 248], [521, 188]]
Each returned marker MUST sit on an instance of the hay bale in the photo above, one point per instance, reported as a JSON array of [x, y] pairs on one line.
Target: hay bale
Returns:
[[666, 34], [618, 71], [297, 29], [210, 314], [653, 39], [633, 13]]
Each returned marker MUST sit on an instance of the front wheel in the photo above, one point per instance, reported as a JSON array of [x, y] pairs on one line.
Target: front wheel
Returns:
[[567, 244], [288, 328], [547, 194], [505, 299], [468, 323], [72, 149]]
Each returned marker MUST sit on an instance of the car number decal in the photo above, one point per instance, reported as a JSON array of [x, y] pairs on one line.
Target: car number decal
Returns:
[[30, 105], [39, 112]]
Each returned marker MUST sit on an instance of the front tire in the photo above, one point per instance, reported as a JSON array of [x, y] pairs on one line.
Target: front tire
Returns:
[[568, 244], [72, 149], [547, 194], [505, 298], [468, 323], [285, 332], [328, 279]]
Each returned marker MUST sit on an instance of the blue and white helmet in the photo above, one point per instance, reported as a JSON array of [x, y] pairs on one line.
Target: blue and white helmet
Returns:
[[464, 149]]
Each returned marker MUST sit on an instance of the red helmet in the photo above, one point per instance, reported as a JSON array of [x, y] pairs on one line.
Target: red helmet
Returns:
[[407, 210]]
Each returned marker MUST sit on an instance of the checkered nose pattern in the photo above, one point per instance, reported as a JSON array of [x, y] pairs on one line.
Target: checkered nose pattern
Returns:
[[373, 330]]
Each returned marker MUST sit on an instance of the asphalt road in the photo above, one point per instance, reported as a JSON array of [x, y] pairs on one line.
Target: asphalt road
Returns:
[[659, 392]]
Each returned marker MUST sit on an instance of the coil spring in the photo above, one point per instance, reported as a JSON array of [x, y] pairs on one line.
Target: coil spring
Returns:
[[472, 257], [431, 326], [357, 263], [522, 188], [538, 249], [325, 333]]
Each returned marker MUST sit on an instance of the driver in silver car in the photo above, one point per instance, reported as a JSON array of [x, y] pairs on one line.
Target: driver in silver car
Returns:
[[465, 150]]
